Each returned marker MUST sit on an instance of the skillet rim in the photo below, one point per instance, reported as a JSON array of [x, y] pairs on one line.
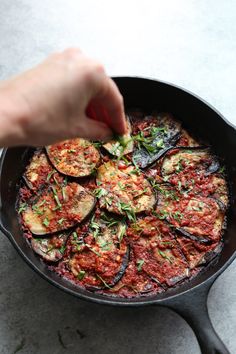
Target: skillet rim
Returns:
[[116, 301]]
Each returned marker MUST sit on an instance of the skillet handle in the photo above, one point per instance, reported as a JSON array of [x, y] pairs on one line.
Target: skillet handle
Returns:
[[193, 308]]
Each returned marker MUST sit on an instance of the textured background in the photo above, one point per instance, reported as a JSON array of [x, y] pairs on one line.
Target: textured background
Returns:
[[190, 43]]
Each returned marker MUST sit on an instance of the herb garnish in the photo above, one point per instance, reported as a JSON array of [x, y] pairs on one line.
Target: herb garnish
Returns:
[[100, 192], [60, 221], [121, 233], [103, 281], [46, 222], [81, 275], [50, 175], [165, 256], [59, 206], [140, 263], [127, 209], [22, 207]]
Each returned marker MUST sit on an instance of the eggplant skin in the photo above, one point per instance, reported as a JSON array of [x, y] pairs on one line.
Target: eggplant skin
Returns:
[[75, 157], [160, 142], [55, 210], [196, 217], [124, 191], [162, 258], [197, 254], [38, 171], [50, 249], [184, 158]]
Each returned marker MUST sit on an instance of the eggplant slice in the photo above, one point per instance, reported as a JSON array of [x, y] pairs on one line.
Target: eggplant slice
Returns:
[[123, 190], [198, 254], [143, 283], [187, 140], [123, 146], [50, 248], [75, 158], [39, 171], [58, 208], [158, 252], [187, 159], [162, 134], [200, 218], [100, 258]]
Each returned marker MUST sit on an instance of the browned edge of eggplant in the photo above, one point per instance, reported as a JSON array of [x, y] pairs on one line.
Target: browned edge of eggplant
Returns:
[[118, 276]]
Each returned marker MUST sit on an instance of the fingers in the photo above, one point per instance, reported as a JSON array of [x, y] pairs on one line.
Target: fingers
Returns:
[[94, 130], [113, 104], [107, 103]]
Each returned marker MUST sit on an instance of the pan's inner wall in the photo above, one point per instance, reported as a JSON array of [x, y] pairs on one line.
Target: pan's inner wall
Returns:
[[145, 94]]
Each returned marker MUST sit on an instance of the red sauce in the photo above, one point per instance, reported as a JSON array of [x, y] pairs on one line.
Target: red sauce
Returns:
[[159, 257]]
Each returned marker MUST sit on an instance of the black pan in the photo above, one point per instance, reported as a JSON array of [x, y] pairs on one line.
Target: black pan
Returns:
[[189, 299]]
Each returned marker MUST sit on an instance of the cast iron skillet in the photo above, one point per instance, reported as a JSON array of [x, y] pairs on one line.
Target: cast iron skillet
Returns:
[[190, 299]]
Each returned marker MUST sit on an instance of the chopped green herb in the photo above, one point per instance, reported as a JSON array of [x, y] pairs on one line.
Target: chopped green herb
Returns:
[[160, 144], [60, 221], [22, 207], [37, 211], [165, 256], [103, 281], [97, 144], [177, 215], [46, 222], [50, 175], [81, 275], [72, 151], [222, 169], [63, 193], [128, 210], [56, 198], [50, 249], [122, 187], [95, 228], [62, 249], [100, 192], [75, 236], [140, 263], [105, 245], [93, 250], [121, 233]]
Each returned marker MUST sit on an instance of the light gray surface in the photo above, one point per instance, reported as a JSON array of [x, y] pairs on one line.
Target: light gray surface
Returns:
[[190, 43]]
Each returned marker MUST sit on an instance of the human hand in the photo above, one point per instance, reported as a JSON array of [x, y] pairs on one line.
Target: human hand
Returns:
[[52, 102]]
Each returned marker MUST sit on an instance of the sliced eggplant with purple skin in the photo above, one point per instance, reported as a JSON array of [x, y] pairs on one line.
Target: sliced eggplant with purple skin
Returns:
[[58, 208], [39, 171], [100, 259], [197, 254], [188, 159], [123, 190], [122, 146], [195, 217], [161, 138], [50, 248], [143, 283], [76, 157], [220, 191], [161, 257]]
